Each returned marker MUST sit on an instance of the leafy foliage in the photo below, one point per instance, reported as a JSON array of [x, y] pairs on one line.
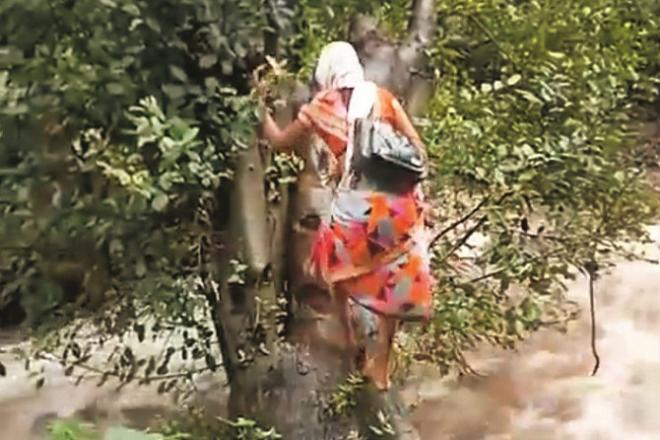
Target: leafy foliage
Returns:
[[118, 125], [72, 430], [343, 399], [99, 98], [532, 125], [533, 129], [199, 425]]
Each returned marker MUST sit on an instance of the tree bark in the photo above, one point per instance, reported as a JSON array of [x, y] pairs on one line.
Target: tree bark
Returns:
[[399, 66]]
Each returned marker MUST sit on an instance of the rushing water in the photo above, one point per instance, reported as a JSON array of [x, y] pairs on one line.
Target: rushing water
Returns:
[[544, 389], [25, 412], [541, 391]]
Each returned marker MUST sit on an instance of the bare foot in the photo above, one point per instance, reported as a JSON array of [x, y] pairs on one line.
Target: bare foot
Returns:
[[344, 317], [378, 374]]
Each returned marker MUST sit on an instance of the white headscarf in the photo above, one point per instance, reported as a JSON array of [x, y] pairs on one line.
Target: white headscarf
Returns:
[[338, 68]]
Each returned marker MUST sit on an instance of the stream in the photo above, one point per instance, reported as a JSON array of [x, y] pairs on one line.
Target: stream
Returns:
[[541, 391]]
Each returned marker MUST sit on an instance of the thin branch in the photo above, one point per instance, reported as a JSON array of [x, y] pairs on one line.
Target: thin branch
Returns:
[[591, 271], [422, 21], [465, 238], [421, 30], [465, 218], [486, 276], [477, 21], [272, 32], [98, 371], [457, 223], [56, 19], [494, 273], [463, 364], [540, 236], [13, 172], [19, 248]]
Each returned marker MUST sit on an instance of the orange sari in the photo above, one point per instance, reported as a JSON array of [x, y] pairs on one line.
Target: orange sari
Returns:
[[375, 246]]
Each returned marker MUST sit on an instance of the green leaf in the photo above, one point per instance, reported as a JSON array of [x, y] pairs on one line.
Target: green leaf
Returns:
[[211, 83], [530, 97], [72, 430], [16, 109], [556, 55], [240, 50], [227, 66], [131, 9], [208, 60], [513, 80], [121, 433], [160, 202], [178, 73], [115, 88], [10, 55], [174, 91]]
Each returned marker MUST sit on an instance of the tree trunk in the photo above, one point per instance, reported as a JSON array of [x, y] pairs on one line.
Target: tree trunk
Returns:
[[291, 382]]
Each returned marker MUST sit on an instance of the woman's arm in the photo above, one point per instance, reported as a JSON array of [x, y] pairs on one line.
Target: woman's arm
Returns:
[[282, 139], [406, 127]]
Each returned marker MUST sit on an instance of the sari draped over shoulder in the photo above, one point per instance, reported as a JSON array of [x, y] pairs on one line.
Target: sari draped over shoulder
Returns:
[[375, 244]]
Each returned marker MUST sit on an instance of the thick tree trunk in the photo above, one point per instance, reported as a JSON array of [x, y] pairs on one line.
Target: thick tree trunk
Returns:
[[290, 382], [400, 67]]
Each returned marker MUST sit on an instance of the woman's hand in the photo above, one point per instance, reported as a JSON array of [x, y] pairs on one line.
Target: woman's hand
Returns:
[[282, 140], [260, 92], [258, 84]]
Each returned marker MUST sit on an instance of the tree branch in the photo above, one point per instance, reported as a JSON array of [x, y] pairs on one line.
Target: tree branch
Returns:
[[457, 223], [272, 32], [591, 272], [556, 251], [477, 22], [467, 217], [185, 374], [422, 22], [421, 30], [465, 238]]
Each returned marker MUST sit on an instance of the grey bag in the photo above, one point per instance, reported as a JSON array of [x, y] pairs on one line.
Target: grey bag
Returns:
[[386, 157]]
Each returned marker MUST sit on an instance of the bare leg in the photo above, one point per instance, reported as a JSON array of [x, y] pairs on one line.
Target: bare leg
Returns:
[[377, 365], [343, 312]]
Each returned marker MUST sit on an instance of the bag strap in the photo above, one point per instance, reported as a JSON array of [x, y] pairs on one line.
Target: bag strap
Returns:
[[347, 171], [364, 104]]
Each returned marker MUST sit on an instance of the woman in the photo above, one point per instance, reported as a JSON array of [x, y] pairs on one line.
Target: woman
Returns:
[[374, 249]]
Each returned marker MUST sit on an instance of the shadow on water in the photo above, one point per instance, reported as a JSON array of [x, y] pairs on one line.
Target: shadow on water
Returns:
[[541, 391]]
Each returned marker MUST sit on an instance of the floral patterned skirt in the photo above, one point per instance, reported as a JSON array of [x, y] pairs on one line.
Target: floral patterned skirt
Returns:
[[375, 248]]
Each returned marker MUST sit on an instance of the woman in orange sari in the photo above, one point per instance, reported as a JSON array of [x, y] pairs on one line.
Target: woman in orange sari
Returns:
[[374, 249]]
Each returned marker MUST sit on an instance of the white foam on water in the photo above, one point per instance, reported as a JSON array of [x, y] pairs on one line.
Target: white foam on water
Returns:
[[544, 389]]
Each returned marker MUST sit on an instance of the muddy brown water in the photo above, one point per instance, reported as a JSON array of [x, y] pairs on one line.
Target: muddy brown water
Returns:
[[544, 389], [541, 391]]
